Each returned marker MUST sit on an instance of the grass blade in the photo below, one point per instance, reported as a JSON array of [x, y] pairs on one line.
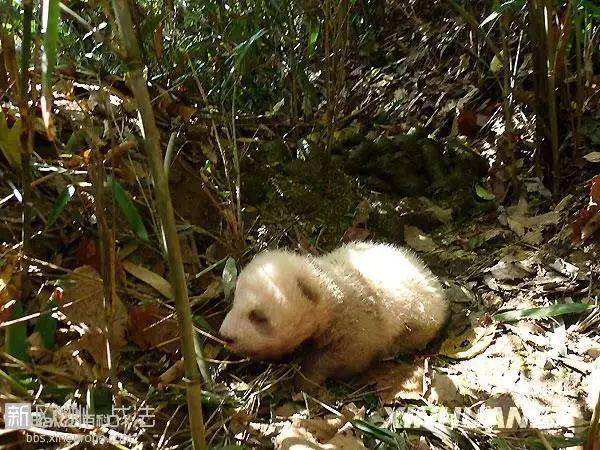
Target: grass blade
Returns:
[[127, 207], [16, 334], [46, 325], [61, 202]]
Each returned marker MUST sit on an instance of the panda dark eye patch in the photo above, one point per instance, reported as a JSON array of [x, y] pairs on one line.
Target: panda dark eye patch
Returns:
[[258, 317]]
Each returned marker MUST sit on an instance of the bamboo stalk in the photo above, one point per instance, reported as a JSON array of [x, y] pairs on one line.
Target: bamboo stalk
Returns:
[[137, 82], [507, 105], [540, 79], [26, 147], [579, 95], [108, 265], [552, 107]]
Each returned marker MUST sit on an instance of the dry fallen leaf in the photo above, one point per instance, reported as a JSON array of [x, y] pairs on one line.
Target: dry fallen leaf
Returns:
[[327, 433], [82, 301], [593, 157], [588, 220], [173, 373], [470, 343], [508, 270], [397, 381], [149, 277], [418, 240], [151, 326]]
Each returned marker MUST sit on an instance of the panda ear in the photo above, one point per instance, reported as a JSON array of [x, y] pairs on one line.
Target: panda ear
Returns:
[[308, 291]]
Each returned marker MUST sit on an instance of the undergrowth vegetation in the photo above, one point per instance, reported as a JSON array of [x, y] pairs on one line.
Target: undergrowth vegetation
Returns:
[[148, 149]]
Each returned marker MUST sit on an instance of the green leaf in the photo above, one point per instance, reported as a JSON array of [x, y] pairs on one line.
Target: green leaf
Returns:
[[77, 141], [539, 313], [127, 207], [556, 441], [312, 38], [372, 430], [242, 49], [483, 193], [16, 334], [497, 65], [46, 325], [10, 141], [201, 323], [229, 277], [100, 400], [60, 204], [499, 444]]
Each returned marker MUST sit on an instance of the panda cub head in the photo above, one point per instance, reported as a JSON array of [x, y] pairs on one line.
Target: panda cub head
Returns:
[[277, 306]]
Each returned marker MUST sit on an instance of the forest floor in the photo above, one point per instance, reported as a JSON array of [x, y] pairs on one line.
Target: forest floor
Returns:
[[523, 379]]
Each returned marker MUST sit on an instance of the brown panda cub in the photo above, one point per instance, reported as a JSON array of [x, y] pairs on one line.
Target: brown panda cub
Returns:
[[361, 302]]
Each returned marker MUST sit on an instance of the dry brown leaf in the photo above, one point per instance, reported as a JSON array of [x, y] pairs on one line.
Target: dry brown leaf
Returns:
[[173, 373], [593, 157], [418, 240], [151, 326], [448, 390], [591, 226], [470, 343], [328, 433], [82, 301], [71, 359], [508, 270], [151, 278], [87, 253], [397, 381], [520, 222]]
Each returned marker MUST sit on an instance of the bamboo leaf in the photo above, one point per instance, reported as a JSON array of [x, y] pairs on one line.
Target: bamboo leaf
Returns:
[[372, 430], [16, 334], [497, 64], [46, 325], [539, 313], [483, 193], [127, 207], [493, 16], [229, 277], [312, 38], [242, 49], [61, 202]]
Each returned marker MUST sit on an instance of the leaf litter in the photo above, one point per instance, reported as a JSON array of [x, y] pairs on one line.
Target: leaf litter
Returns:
[[523, 332]]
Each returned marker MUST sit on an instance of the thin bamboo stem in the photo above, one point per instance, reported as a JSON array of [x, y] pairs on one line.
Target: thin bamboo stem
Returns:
[[26, 147], [137, 82]]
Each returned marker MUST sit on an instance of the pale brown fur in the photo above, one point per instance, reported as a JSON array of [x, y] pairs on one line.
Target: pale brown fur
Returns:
[[358, 303]]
